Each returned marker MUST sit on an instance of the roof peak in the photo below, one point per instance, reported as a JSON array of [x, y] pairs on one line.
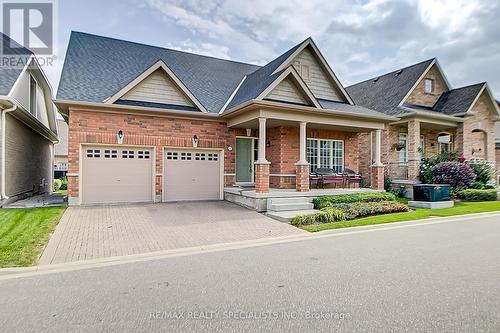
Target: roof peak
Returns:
[[161, 47]]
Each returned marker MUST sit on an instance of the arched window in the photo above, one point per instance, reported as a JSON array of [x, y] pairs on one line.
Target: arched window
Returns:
[[445, 142]]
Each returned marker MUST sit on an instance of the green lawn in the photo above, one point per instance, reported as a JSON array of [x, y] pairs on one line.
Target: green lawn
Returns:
[[460, 208], [24, 232]]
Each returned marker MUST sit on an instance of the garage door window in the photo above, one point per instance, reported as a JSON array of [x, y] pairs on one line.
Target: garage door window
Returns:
[[93, 153], [110, 153], [213, 157], [200, 156], [172, 155], [186, 156], [127, 154], [143, 154]]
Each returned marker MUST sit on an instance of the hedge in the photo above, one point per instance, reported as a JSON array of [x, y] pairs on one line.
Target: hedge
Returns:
[[325, 216], [326, 201], [361, 209], [477, 195]]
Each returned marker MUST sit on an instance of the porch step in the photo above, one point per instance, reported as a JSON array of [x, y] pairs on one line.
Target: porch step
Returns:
[[287, 216], [289, 204]]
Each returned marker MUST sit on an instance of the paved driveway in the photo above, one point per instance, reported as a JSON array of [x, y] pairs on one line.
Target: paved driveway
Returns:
[[105, 231]]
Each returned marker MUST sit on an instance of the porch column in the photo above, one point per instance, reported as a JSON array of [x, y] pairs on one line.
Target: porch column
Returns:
[[302, 166], [262, 165], [413, 149], [377, 174]]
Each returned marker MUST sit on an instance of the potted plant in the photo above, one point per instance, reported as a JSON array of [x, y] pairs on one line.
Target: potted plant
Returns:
[[398, 146]]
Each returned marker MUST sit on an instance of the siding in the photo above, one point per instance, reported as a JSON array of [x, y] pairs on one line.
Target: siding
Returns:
[[158, 88], [28, 159], [318, 81], [287, 91]]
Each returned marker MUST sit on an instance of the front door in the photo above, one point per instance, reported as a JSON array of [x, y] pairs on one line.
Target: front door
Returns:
[[245, 148]]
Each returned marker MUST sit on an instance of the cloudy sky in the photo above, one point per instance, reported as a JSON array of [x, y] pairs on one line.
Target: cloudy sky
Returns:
[[359, 38]]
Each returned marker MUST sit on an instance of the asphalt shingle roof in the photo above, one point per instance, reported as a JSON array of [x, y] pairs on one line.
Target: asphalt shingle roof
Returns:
[[458, 100], [97, 67], [384, 93], [9, 74]]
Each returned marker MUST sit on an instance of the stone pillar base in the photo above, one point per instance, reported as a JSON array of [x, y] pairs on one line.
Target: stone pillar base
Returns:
[[262, 177], [377, 179], [302, 177]]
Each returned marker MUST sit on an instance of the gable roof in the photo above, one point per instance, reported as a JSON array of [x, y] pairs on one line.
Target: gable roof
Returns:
[[97, 67], [458, 101], [156, 66], [9, 75], [385, 93]]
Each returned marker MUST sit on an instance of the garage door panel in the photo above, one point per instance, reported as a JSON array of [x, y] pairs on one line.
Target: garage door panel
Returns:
[[192, 175], [113, 175]]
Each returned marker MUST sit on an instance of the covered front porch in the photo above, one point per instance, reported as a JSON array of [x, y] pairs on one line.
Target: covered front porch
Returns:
[[281, 147]]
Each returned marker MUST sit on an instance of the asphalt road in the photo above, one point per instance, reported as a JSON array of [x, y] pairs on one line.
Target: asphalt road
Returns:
[[433, 277]]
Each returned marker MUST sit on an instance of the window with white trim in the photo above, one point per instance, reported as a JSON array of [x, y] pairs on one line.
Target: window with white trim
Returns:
[[403, 153], [445, 143], [429, 86], [325, 154]]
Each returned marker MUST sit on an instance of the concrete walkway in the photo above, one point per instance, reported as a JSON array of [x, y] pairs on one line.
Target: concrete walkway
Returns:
[[105, 231], [42, 200]]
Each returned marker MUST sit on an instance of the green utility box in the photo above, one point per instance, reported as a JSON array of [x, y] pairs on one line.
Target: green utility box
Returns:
[[431, 192]]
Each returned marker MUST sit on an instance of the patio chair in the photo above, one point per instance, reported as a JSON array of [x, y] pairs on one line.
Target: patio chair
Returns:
[[324, 176], [351, 177]]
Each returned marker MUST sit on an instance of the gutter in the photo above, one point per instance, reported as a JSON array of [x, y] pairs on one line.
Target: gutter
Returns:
[[330, 112], [4, 112]]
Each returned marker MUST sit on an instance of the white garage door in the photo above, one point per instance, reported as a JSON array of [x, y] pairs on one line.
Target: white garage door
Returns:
[[192, 175], [117, 174]]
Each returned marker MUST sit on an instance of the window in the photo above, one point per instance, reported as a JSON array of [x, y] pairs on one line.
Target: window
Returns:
[[93, 153], [403, 153], [200, 156], [422, 147], [127, 154], [325, 154], [429, 86], [143, 154], [33, 110], [172, 155], [110, 153], [445, 143]]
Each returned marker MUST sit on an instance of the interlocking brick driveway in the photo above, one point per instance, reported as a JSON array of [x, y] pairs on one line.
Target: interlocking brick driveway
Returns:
[[105, 231]]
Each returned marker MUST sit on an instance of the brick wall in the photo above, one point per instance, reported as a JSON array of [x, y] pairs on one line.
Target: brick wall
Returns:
[[100, 127]]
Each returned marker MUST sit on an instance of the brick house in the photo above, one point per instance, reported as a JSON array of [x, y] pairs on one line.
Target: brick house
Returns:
[[432, 118], [150, 124]]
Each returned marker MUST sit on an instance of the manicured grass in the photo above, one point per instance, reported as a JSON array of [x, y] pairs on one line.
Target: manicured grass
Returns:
[[460, 208], [24, 232]]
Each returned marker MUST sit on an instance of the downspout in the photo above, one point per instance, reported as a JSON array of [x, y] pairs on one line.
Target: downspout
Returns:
[[2, 187]]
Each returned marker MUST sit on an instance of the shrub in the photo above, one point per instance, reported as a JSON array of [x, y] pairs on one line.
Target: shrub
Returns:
[[326, 201], [477, 195], [57, 184], [387, 183], [399, 192], [489, 187], [478, 185], [482, 169], [458, 175], [427, 163], [325, 216], [360, 209], [64, 183]]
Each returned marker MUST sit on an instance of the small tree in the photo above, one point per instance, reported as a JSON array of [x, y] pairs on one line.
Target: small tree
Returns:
[[482, 169], [457, 175]]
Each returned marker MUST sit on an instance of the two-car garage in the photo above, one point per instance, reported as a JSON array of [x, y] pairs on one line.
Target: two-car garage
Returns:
[[120, 174]]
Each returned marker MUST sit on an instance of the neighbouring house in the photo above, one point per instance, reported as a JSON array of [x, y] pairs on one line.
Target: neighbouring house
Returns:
[[28, 126], [150, 124], [61, 150], [433, 118]]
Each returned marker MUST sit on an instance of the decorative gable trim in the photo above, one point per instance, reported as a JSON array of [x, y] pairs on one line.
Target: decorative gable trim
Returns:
[[290, 71], [440, 70], [158, 65], [323, 62]]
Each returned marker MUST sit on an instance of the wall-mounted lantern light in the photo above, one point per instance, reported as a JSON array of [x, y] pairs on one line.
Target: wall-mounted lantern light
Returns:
[[268, 143], [249, 131], [119, 137], [195, 141]]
